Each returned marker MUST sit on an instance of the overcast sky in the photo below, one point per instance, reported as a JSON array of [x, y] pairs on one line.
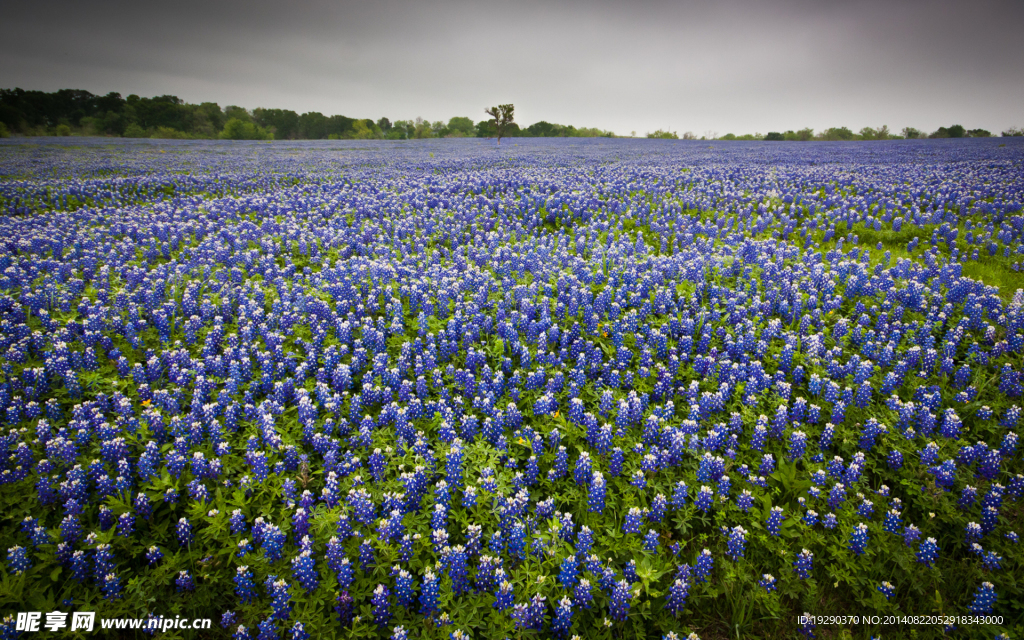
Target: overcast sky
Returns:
[[740, 66]]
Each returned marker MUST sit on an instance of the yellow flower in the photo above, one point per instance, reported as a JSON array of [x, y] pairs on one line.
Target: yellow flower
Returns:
[[521, 441], [145, 403]]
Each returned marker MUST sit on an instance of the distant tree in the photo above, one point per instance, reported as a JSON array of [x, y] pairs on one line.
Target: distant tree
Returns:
[[486, 129], [313, 126], [4, 133], [775, 136], [384, 125], [239, 113], [400, 130], [1013, 132], [422, 129], [283, 123], [956, 131], [868, 133], [664, 135], [910, 133], [237, 129], [979, 133], [366, 130], [134, 131], [340, 126], [459, 127], [836, 133], [545, 129], [502, 116]]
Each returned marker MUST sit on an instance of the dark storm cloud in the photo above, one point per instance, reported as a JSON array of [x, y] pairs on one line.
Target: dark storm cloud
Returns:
[[740, 66]]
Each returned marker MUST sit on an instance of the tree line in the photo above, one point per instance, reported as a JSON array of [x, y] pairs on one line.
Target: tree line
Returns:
[[869, 133], [79, 112]]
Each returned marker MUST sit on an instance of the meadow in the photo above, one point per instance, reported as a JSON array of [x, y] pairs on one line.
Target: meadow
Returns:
[[556, 388]]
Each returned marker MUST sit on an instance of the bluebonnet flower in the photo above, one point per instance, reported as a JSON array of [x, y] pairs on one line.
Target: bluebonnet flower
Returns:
[[184, 581], [429, 594], [245, 588], [304, 570], [928, 552], [745, 500], [633, 521], [184, 530], [581, 594], [774, 523], [381, 606], [618, 608], [705, 498], [503, 598], [737, 542], [859, 539], [568, 572], [702, 568], [596, 497], [806, 625], [651, 540], [111, 587], [911, 534], [280, 598], [893, 522], [404, 595], [767, 582], [154, 555], [887, 589], [17, 560], [984, 599], [675, 602], [804, 564], [562, 623]]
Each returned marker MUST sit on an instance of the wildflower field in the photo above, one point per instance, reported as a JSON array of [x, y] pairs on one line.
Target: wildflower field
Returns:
[[445, 389]]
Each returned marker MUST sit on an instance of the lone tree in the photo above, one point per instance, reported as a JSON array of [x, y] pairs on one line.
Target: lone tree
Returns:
[[502, 115]]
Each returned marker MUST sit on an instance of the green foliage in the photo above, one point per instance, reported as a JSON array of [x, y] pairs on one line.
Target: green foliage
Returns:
[[366, 130], [4, 132], [284, 123], [774, 136], [168, 133], [836, 133], [134, 131], [956, 131], [664, 135], [237, 129], [460, 126]]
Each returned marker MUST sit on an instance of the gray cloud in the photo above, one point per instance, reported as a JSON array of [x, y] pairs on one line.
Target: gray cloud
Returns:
[[735, 65]]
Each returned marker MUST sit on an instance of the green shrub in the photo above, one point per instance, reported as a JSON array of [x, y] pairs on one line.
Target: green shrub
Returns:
[[236, 129], [134, 131]]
